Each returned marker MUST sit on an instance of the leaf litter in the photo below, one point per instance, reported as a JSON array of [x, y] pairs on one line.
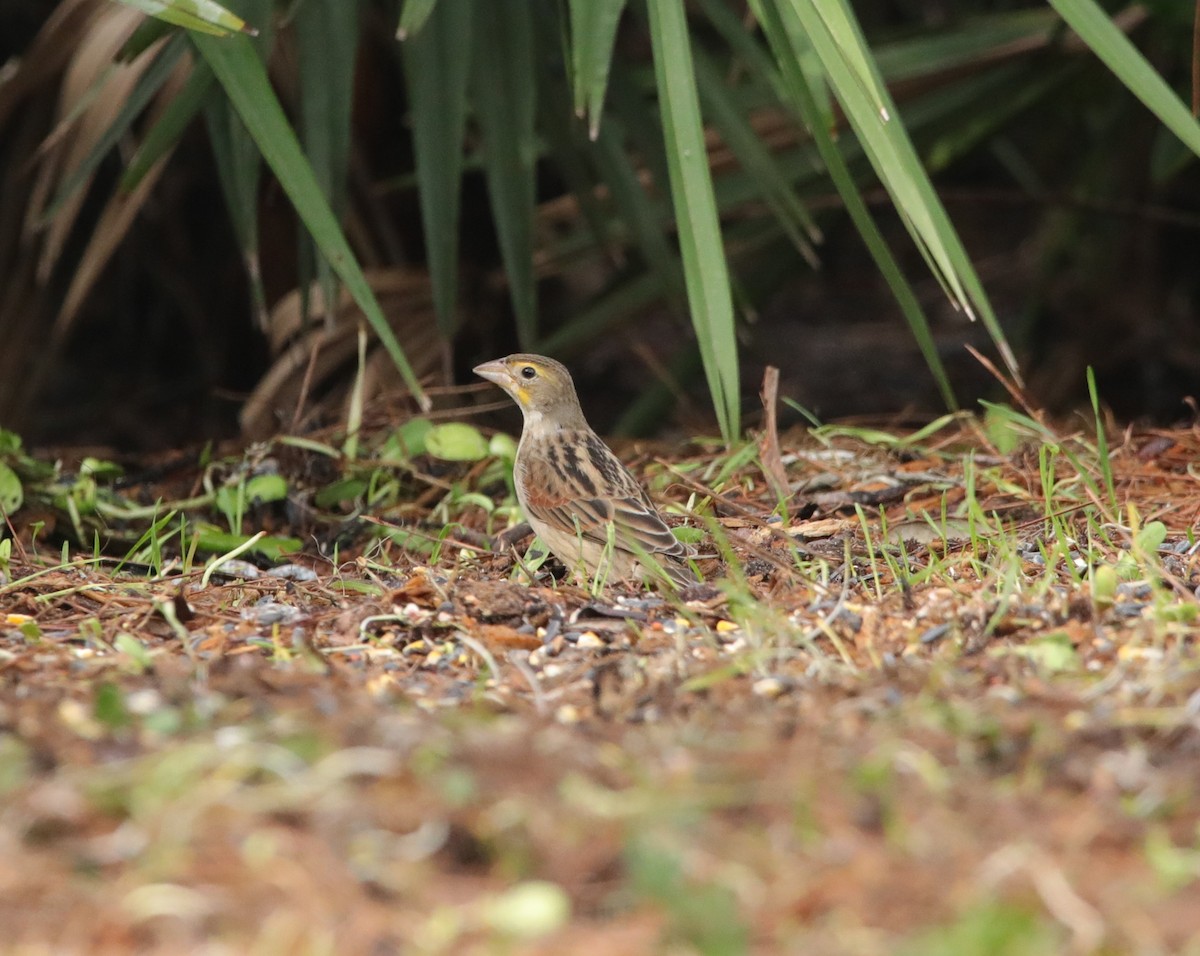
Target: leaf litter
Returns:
[[934, 697]]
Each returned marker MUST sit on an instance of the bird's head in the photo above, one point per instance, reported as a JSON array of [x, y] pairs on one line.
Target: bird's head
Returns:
[[541, 386]]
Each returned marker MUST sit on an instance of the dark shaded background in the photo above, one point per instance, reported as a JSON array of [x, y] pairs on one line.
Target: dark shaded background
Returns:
[[1096, 266]]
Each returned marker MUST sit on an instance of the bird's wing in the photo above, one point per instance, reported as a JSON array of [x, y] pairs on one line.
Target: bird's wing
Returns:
[[576, 483]]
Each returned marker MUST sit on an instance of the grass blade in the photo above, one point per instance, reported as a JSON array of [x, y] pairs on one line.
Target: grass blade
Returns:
[[593, 32], [639, 213], [147, 87], [327, 39], [239, 170], [505, 102], [203, 16], [567, 151], [412, 17], [796, 87], [162, 137], [704, 266], [756, 159], [437, 67], [1131, 68], [832, 31]]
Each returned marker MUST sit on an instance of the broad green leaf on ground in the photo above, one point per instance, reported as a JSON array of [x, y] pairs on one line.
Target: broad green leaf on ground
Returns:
[[12, 495], [456, 441], [407, 441], [705, 269], [211, 539], [244, 79]]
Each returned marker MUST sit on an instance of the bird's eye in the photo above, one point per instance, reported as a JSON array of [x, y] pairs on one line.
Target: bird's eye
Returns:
[[529, 373]]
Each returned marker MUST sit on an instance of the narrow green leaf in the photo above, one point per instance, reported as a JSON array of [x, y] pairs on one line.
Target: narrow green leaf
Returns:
[[149, 32], [413, 15], [756, 159], [977, 108], [626, 299], [977, 40], [327, 38], [164, 135], [795, 84], [1131, 68], [239, 171], [244, 79], [645, 415], [204, 16], [643, 217], [568, 157], [869, 110], [635, 107], [743, 44], [833, 32], [505, 100], [437, 67], [704, 266], [593, 33], [239, 161], [144, 90]]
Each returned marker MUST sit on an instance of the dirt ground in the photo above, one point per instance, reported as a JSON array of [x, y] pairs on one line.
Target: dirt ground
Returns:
[[860, 736]]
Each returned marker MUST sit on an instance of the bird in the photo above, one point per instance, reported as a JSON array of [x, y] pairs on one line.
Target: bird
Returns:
[[580, 500]]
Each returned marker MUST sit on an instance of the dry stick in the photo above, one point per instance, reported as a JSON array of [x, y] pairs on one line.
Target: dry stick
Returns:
[[1042, 519], [661, 372], [768, 443], [12, 534], [520, 562], [305, 384], [1017, 395]]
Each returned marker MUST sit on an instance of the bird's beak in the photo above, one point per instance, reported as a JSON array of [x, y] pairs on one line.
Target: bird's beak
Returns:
[[496, 372]]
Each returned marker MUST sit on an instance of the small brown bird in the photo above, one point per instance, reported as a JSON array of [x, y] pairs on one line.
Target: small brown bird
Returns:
[[581, 501]]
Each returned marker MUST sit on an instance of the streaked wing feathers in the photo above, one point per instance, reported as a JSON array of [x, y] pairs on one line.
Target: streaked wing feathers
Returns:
[[637, 529], [575, 481]]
